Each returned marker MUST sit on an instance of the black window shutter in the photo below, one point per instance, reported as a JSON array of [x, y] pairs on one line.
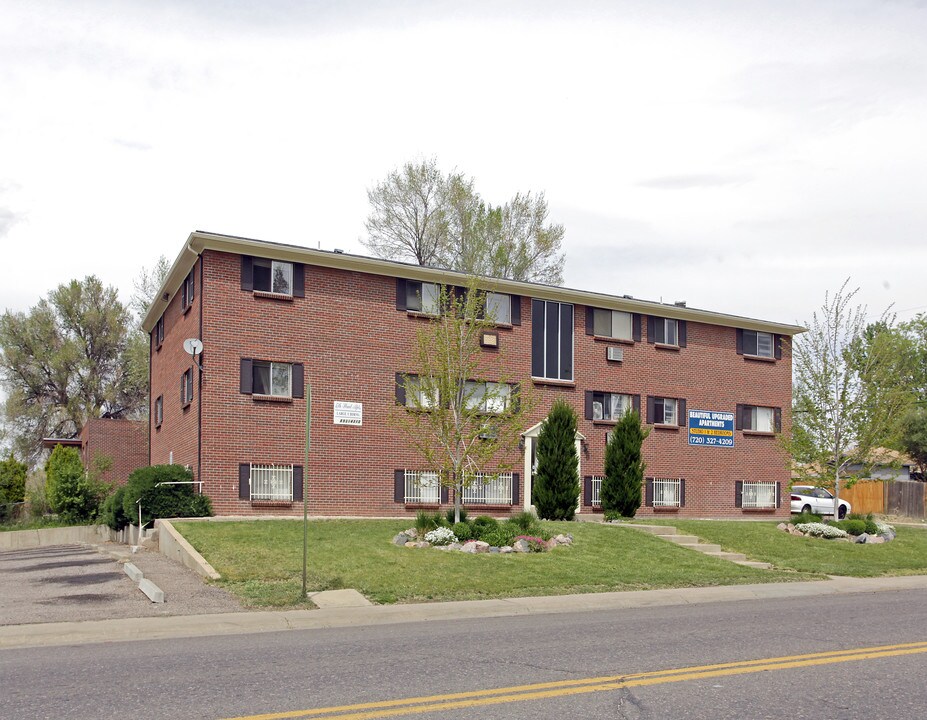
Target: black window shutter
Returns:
[[589, 404], [682, 492], [650, 410], [587, 491], [244, 481], [516, 309], [299, 280], [778, 494], [401, 298], [681, 333], [400, 391], [399, 486], [537, 338], [515, 395], [636, 404], [444, 494], [681, 419], [297, 482], [636, 327], [246, 378], [739, 418], [183, 389], [648, 492], [777, 419], [740, 341], [247, 273], [590, 321], [739, 493], [777, 346], [651, 329], [515, 488], [299, 386]]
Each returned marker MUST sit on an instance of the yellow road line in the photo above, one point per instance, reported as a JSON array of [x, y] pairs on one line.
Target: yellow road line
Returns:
[[546, 690]]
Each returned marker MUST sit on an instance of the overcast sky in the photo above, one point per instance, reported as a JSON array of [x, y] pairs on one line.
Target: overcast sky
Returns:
[[742, 156]]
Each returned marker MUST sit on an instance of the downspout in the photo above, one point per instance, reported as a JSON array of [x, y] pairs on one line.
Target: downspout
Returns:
[[150, 419], [199, 427]]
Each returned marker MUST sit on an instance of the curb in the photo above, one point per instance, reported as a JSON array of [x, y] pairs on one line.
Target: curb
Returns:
[[184, 626]]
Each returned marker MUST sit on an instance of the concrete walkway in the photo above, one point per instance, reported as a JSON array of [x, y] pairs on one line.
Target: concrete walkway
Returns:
[[156, 628]]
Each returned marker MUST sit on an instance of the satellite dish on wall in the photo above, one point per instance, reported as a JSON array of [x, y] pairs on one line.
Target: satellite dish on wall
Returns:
[[193, 346]]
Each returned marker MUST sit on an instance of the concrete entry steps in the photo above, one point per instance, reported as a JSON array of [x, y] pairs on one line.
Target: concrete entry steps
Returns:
[[668, 532]]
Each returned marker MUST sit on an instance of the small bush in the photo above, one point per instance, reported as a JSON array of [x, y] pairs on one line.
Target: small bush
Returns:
[[163, 501], [535, 544], [440, 536], [12, 486], [524, 520], [501, 535], [871, 527], [112, 512], [449, 515], [805, 518], [852, 527], [821, 530], [483, 525], [463, 530], [70, 492]]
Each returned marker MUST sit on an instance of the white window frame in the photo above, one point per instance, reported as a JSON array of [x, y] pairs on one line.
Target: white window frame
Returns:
[[596, 499], [770, 351], [488, 489], [667, 492], [670, 408], [422, 487], [414, 389], [423, 297], [670, 325], [757, 413], [492, 302], [616, 319], [186, 384], [274, 265], [271, 482], [271, 367], [758, 495], [486, 396], [608, 399]]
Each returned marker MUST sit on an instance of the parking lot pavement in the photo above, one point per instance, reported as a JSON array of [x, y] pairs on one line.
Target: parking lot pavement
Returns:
[[76, 582]]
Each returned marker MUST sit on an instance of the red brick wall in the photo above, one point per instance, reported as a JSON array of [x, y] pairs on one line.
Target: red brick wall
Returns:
[[179, 431], [352, 341], [124, 441]]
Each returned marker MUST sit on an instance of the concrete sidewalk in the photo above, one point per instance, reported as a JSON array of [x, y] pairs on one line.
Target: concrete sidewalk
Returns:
[[157, 628]]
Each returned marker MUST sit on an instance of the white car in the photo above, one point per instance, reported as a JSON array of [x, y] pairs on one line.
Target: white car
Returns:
[[807, 499]]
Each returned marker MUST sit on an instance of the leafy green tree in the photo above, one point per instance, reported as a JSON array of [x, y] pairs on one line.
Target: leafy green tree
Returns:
[[419, 214], [64, 362], [624, 467], [847, 393], [12, 485], [70, 492], [462, 414], [556, 480], [914, 437], [147, 487]]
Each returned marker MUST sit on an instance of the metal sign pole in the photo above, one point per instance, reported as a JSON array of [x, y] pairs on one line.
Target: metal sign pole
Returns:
[[306, 485]]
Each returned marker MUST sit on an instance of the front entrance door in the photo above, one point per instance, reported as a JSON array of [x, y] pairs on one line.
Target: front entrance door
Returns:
[[530, 437]]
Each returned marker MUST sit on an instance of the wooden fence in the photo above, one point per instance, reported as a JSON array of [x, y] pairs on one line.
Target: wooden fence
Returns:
[[865, 496], [899, 497]]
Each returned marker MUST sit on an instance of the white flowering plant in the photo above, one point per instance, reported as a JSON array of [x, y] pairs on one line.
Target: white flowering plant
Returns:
[[829, 532], [440, 536], [884, 527]]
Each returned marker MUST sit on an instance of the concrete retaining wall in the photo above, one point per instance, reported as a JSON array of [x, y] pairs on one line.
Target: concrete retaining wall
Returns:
[[24, 539], [173, 545]]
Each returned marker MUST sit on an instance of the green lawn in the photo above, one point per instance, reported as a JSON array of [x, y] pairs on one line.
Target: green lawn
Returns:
[[261, 562], [906, 555]]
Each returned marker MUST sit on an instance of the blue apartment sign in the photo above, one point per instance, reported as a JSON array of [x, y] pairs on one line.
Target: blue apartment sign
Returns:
[[711, 428]]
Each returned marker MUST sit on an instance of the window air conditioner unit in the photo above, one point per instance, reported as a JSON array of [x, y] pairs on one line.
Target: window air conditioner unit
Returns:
[[615, 353]]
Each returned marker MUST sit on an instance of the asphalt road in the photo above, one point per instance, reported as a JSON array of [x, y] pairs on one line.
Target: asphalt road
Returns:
[[233, 676]]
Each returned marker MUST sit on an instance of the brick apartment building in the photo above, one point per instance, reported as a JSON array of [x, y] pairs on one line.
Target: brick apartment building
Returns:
[[277, 319], [122, 442]]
